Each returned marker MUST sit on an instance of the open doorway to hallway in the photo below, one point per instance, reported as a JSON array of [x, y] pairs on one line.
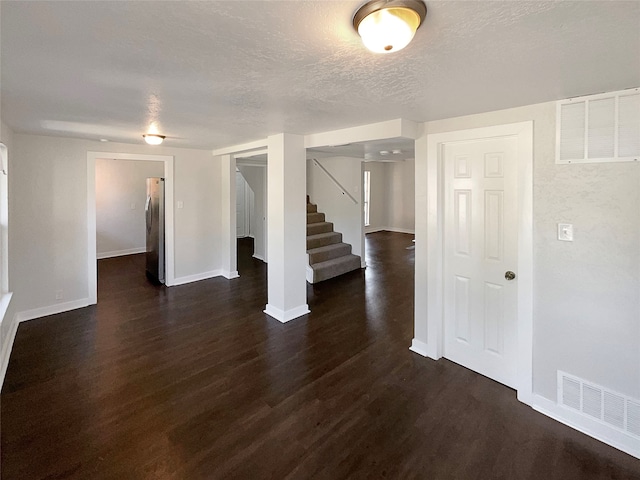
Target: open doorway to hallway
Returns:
[[93, 159], [251, 209]]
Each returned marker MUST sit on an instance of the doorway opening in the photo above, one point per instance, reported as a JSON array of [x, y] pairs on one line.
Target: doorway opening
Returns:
[[100, 162]]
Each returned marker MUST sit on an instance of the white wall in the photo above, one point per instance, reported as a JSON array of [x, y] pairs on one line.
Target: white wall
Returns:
[[256, 177], [347, 217], [120, 200], [392, 196], [48, 211], [586, 292]]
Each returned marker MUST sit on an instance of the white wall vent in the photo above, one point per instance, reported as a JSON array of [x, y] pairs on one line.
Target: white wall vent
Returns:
[[611, 408], [599, 128]]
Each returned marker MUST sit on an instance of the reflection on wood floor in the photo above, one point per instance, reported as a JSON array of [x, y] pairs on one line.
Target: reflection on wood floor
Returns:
[[196, 382]]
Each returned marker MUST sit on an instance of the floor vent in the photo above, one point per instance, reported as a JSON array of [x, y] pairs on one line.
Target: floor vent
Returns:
[[611, 408]]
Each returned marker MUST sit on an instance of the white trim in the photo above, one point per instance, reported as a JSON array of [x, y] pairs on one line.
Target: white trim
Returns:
[[7, 346], [252, 153], [5, 300], [259, 257], [230, 275], [391, 229], [244, 147], [419, 347], [599, 431], [435, 248], [4, 231], [196, 277], [250, 163], [398, 128], [285, 316], [121, 253], [52, 309], [309, 272], [401, 230], [168, 161]]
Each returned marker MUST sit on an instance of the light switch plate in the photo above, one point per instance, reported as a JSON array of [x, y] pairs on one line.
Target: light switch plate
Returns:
[[565, 232]]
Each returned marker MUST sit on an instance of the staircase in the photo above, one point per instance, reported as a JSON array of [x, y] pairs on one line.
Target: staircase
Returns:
[[329, 257]]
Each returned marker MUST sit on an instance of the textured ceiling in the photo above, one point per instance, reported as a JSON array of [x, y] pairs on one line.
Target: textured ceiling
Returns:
[[218, 73]]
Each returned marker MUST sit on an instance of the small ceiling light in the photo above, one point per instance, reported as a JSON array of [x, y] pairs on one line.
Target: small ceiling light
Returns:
[[104, 140], [384, 153], [153, 139], [387, 26], [397, 152]]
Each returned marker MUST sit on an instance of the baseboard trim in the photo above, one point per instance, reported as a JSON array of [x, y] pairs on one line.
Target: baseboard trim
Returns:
[[230, 275], [7, 346], [120, 253], [615, 438], [309, 272], [258, 257], [196, 277], [419, 347], [51, 310], [391, 229], [401, 230], [285, 316]]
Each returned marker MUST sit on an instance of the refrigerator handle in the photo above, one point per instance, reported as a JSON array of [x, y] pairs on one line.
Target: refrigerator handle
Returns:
[[147, 209]]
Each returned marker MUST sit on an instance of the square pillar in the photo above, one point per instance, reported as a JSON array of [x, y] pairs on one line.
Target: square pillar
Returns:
[[420, 342], [228, 216], [287, 227]]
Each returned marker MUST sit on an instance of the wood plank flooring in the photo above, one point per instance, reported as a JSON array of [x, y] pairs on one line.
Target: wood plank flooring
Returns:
[[195, 382]]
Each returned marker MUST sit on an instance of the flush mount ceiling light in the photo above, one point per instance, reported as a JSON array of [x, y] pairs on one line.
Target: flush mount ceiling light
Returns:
[[153, 139], [387, 26]]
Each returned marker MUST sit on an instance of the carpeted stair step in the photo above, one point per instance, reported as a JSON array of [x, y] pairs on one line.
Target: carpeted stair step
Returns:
[[328, 252], [334, 267], [315, 217], [320, 227], [323, 239], [311, 208]]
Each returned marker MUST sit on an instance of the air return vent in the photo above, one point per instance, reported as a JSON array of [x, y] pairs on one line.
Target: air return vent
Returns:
[[599, 128], [611, 408]]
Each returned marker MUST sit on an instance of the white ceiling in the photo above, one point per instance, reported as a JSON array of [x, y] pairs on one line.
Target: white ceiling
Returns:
[[385, 150], [219, 73]]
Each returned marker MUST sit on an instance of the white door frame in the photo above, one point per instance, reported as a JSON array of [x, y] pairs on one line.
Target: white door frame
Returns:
[[434, 347], [92, 271]]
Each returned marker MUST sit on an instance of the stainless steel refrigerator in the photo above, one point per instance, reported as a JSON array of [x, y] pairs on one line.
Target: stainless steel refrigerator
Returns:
[[154, 213]]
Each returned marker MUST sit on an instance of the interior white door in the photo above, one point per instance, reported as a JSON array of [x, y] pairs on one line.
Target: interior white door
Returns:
[[240, 206], [481, 247]]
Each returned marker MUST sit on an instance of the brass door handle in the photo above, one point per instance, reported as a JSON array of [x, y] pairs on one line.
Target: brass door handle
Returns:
[[509, 275]]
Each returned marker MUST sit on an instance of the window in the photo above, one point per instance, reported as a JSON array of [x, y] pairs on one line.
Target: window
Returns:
[[367, 191], [5, 295]]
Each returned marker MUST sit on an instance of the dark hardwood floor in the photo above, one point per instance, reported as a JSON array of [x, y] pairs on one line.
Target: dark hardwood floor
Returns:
[[195, 382]]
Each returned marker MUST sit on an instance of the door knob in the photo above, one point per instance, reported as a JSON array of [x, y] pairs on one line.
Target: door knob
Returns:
[[509, 275]]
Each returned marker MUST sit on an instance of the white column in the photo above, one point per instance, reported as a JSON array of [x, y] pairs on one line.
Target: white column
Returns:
[[228, 216], [420, 343], [287, 224]]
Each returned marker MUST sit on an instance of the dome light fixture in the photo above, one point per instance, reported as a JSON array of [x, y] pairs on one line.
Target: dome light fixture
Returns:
[[387, 26], [153, 138]]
